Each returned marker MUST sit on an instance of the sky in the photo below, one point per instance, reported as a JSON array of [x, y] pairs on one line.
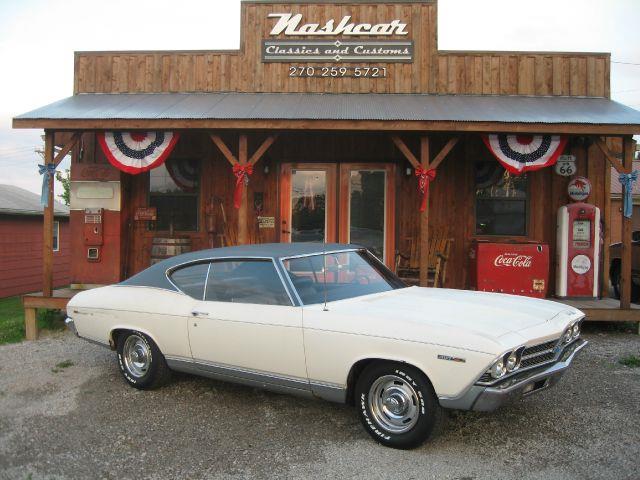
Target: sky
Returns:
[[38, 38]]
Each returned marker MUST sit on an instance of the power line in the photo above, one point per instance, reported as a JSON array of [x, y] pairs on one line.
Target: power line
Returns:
[[626, 63]]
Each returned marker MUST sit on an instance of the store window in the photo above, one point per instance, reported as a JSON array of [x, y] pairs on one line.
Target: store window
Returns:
[[174, 191], [501, 200], [56, 236]]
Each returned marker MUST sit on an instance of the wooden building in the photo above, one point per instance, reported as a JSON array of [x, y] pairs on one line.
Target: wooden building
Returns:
[[21, 243], [336, 105]]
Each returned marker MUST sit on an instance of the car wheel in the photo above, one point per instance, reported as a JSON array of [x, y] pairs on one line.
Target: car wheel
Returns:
[[142, 364], [397, 404]]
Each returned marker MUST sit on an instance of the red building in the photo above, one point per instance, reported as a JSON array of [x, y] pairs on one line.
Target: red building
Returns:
[[21, 242]]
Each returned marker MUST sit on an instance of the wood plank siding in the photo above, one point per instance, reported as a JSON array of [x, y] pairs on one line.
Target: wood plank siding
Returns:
[[21, 254], [432, 71]]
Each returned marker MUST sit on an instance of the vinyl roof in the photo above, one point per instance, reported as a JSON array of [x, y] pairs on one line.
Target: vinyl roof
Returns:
[[315, 106], [18, 201], [154, 276]]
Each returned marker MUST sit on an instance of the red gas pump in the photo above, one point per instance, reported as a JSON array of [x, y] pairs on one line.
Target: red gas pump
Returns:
[[578, 251]]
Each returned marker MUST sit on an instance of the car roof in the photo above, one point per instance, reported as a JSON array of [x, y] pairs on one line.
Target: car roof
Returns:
[[155, 276]]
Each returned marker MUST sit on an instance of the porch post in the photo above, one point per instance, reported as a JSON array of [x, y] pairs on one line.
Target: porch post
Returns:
[[424, 218], [243, 232], [627, 226], [47, 231]]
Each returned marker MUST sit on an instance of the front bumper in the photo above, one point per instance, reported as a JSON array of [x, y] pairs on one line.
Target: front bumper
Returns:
[[486, 399], [71, 326]]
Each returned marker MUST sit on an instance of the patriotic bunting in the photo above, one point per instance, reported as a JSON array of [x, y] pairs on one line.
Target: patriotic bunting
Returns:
[[184, 172], [137, 152], [525, 153]]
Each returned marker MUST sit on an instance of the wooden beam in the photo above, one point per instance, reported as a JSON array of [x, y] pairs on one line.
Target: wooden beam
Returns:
[[31, 323], [243, 211], [444, 152], [47, 230], [224, 149], [360, 125], [405, 151], [424, 219], [262, 149], [67, 148], [613, 160], [627, 227], [606, 251]]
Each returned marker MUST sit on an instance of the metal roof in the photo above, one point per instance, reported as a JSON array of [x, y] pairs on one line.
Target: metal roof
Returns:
[[316, 106], [18, 201], [155, 276]]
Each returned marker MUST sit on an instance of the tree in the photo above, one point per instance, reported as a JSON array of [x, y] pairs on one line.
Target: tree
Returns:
[[65, 180]]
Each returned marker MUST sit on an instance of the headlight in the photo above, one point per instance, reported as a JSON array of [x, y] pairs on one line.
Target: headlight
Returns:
[[575, 331], [498, 369], [512, 362], [567, 336]]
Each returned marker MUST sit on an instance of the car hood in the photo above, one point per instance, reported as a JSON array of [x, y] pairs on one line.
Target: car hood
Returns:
[[489, 315]]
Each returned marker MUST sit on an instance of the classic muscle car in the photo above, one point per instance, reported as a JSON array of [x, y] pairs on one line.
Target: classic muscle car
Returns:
[[330, 321]]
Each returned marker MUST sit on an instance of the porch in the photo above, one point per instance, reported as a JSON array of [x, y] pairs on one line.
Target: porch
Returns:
[[280, 134]]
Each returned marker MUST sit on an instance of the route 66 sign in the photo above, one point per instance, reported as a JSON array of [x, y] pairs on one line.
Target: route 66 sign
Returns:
[[566, 165]]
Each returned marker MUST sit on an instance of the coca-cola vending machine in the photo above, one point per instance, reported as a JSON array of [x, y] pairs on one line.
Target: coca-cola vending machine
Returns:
[[514, 268]]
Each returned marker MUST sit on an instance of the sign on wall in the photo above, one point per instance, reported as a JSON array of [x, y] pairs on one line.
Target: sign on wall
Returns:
[[579, 189], [566, 165], [343, 48]]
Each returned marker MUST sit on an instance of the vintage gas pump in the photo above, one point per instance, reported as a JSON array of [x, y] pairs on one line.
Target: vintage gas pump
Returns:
[[93, 233], [578, 251]]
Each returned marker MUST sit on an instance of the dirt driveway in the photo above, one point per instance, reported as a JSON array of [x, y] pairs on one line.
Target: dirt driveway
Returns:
[[66, 413]]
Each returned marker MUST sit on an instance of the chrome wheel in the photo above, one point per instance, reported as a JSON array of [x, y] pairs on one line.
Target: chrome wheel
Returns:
[[394, 404], [136, 355]]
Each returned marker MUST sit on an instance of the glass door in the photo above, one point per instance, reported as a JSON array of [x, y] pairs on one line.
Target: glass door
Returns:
[[367, 199], [308, 197], [360, 211]]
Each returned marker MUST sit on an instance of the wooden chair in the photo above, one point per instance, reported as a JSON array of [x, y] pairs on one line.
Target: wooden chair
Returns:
[[407, 266]]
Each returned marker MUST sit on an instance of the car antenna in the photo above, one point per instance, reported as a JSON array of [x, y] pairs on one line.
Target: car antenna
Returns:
[[324, 273]]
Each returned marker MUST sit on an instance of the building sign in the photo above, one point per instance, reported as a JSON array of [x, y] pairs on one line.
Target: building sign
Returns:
[[266, 222], [579, 189], [566, 165], [289, 24], [149, 214], [342, 49]]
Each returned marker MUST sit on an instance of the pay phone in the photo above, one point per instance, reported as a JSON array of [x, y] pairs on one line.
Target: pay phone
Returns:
[[578, 251], [93, 232]]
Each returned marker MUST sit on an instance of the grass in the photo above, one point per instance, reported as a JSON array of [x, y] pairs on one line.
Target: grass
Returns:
[[12, 320], [62, 365], [632, 361]]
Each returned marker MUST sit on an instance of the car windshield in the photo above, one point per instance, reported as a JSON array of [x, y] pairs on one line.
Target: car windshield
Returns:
[[339, 275]]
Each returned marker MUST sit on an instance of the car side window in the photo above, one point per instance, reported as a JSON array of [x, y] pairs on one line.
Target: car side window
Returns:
[[191, 279], [245, 281]]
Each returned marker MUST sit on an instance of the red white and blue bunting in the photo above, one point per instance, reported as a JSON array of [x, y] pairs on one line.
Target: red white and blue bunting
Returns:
[[137, 152], [184, 172], [525, 153]]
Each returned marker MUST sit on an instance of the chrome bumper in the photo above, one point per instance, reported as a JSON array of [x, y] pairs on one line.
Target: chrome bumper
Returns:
[[486, 399], [71, 326]]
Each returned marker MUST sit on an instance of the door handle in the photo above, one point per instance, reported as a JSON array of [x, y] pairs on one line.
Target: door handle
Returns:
[[196, 313], [286, 231]]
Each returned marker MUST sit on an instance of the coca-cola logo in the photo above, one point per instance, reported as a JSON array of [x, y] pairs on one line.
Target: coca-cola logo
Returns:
[[513, 260]]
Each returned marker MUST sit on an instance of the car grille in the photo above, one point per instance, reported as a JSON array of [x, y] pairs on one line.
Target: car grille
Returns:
[[531, 357]]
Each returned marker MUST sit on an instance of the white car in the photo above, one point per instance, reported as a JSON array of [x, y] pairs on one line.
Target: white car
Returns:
[[330, 321]]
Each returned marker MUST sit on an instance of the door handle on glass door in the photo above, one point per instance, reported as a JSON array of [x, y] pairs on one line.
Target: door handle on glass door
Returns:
[[196, 313]]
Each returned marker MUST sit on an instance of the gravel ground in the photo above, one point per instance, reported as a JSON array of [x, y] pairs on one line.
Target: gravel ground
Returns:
[[83, 421]]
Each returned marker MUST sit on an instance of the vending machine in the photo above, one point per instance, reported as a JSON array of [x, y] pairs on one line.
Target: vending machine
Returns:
[[515, 268], [578, 251]]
